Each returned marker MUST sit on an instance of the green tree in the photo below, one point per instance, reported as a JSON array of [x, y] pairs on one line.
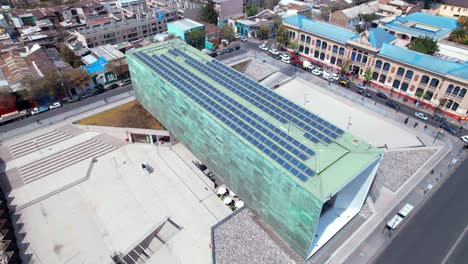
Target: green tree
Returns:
[[419, 94], [459, 35], [359, 28], [368, 75], [263, 32], [227, 32], [77, 77], [196, 38], [251, 10], [293, 45], [425, 45], [208, 13], [463, 21], [282, 36], [344, 66], [69, 56]]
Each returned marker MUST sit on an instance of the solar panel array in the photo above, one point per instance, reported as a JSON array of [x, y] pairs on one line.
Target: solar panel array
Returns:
[[271, 140]]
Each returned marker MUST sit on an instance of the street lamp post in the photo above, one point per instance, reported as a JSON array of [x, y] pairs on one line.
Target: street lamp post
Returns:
[[37, 146], [437, 135], [349, 123]]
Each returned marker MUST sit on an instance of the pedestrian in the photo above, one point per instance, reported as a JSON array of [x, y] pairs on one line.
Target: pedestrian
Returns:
[[415, 124], [425, 127]]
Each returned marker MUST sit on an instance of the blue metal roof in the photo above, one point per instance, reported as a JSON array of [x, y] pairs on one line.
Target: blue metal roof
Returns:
[[96, 66], [424, 61], [416, 25], [322, 29], [379, 36]]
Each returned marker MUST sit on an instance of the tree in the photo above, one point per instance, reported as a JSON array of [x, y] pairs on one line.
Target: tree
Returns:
[[208, 13], [196, 38], [293, 45], [78, 77], [359, 28], [263, 32], [344, 66], [419, 94], [53, 84], [368, 75], [463, 21], [282, 36], [227, 32], [251, 10], [459, 35], [424, 44], [69, 56]]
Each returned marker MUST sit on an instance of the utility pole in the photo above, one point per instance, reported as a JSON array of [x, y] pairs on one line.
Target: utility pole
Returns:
[[349, 123]]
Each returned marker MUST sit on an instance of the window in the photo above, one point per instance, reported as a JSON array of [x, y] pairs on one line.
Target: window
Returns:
[[353, 55], [375, 76], [456, 90], [404, 87], [449, 104], [318, 43], [449, 89], [428, 95], [425, 79], [409, 74], [301, 48], [382, 78], [455, 106], [341, 51], [359, 57], [364, 59], [324, 45], [339, 62], [335, 49], [308, 39], [396, 84], [434, 82], [386, 66], [306, 51], [400, 71], [322, 56], [378, 64], [333, 60], [316, 54], [302, 37], [462, 93]]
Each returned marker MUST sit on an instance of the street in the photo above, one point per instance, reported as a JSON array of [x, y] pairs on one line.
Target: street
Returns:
[[437, 232], [65, 108]]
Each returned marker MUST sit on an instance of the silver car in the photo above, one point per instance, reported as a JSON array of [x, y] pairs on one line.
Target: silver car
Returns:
[[420, 115]]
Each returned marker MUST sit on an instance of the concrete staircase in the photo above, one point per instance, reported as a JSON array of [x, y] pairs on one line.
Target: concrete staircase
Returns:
[[35, 144], [58, 161]]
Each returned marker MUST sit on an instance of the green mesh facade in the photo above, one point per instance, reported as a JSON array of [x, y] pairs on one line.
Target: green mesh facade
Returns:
[[290, 207]]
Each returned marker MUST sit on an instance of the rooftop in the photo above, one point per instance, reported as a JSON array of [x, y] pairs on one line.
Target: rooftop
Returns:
[[322, 29], [185, 24], [310, 150], [460, 3], [108, 52], [422, 24], [424, 61], [378, 36]]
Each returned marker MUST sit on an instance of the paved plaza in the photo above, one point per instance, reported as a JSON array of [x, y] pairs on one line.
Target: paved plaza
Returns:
[[97, 200]]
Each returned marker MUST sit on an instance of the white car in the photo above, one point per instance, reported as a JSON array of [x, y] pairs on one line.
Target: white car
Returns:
[[361, 86], [274, 51], [225, 41], [285, 56], [55, 105], [420, 115], [464, 138], [334, 77], [243, 39], [263, 46], [286, 60], [237, 36], [316, 72]]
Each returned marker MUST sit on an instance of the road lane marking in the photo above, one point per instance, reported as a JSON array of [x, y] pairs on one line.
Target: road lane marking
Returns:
[[454, 245]]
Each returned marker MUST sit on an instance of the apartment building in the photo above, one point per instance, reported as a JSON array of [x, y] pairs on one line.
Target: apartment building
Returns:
[[435, 81], [454, 8], [110, 30]]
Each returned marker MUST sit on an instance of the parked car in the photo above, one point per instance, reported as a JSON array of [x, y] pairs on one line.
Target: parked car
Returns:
[[112, 86], [344, 83], [364, 92], [86, 95], [286, 60], [334, 77], [448, 128], [237, 47], [213, 54], [125, 82], [263, 46], [285, 56], [361, 86], [38, 110], [316, 72], [420, 115], [274, 51], [237, 35], [55, 105], [392, 104], [381, 95], [439, 118], [73, 99], [243, 39], [464, 139], [225, 41]]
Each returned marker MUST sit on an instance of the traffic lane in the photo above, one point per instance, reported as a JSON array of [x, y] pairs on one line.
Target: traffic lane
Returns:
[[459, 253], [430, 233], [65, 108]]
